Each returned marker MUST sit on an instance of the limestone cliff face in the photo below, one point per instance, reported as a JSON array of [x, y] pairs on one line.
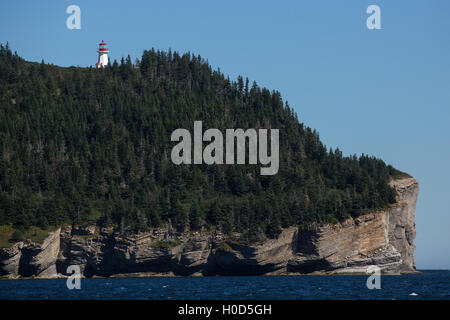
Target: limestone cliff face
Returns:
[[31, 259], [383, 238], [402, 229], [10, 260]]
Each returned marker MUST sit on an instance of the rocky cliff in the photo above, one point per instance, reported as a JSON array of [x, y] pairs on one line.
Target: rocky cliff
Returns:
[[383, 238]]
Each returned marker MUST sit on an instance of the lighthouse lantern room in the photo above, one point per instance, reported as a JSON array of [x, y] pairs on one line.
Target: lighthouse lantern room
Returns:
[[102, 55]]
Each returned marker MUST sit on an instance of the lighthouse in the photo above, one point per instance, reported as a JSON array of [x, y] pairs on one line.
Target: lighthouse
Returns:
[[102, 55]]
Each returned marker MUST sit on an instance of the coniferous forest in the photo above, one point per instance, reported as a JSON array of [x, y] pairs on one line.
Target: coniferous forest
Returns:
[[85, 145]]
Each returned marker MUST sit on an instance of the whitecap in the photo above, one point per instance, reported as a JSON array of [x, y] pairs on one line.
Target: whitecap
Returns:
[[413, 294]]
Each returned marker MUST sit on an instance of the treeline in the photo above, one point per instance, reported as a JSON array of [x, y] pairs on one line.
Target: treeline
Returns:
[[85, 145]]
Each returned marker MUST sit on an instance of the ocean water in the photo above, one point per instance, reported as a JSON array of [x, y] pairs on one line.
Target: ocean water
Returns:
[[430, 284]]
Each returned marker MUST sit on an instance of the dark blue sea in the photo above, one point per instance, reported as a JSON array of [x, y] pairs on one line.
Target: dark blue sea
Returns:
[[429, 284]]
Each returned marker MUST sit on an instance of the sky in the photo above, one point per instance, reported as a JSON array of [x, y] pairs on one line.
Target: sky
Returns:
[[380, 92]]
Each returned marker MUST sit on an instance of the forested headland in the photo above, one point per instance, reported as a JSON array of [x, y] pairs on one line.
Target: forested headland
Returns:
[[85, 145]]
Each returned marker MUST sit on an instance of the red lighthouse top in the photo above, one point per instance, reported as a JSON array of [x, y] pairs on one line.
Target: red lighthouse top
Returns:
[[102, 47]]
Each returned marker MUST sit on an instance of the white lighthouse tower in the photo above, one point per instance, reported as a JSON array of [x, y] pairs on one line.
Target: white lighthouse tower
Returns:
[[102, 55]]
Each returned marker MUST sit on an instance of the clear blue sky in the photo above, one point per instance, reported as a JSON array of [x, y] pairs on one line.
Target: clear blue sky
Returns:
[[380, 92]]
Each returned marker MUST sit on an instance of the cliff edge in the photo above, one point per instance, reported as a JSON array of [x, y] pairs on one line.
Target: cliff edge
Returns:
[[384, 238]]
